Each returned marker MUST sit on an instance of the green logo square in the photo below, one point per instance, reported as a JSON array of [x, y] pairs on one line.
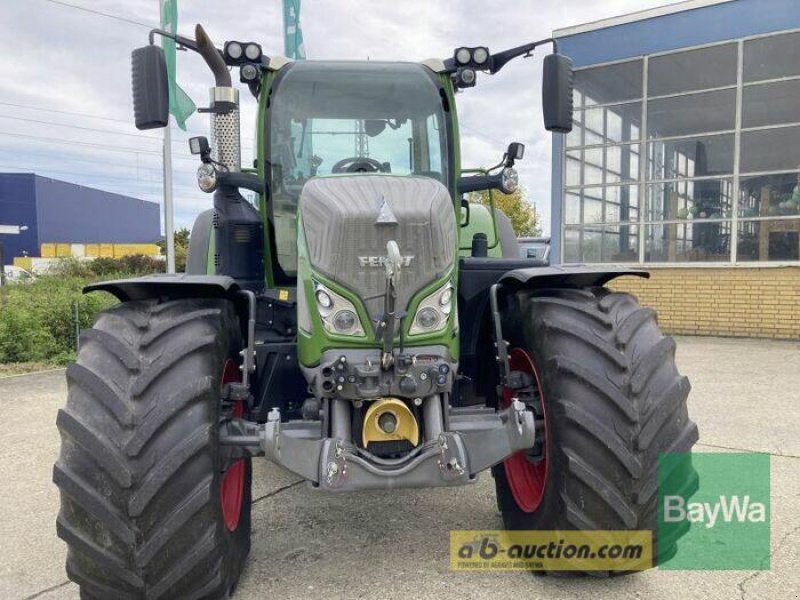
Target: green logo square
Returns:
[[726, 517]]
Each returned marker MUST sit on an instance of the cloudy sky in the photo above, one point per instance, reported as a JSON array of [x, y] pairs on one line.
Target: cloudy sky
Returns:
[[65, 92]]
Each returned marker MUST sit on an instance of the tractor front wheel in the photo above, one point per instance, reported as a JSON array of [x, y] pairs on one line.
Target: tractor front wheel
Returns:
[[608, 400], [151, 507]]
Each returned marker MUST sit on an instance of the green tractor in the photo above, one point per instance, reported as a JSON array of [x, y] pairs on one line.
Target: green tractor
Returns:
[[359, 325]]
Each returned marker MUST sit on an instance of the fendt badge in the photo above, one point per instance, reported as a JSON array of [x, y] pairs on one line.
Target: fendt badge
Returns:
[[379, 261]]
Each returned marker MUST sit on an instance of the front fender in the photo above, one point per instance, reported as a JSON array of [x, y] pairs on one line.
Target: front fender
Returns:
[[167, 286], [567, 276]]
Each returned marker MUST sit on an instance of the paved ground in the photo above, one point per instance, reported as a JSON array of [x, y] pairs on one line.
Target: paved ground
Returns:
[[395, 545]]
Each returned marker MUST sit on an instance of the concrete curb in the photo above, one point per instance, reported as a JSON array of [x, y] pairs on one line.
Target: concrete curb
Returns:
[[4, 377]]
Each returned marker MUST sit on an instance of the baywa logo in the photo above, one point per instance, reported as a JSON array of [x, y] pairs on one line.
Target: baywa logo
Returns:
[[717, 505], [728, 508]]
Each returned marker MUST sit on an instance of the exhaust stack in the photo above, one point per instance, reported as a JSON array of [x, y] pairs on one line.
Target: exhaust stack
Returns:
[[224, 106]]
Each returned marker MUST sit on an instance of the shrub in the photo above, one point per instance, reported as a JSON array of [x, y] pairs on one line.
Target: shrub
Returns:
[[38, 320]]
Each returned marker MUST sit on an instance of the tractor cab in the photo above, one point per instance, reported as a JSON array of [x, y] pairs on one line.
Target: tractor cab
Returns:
[[344, 119]]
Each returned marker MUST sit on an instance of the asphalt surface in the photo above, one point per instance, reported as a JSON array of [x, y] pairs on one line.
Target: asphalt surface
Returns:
[[395, 544]]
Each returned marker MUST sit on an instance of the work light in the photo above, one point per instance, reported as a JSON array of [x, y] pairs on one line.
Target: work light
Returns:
[[463, 56], [480, 56], [253, 52], [233, 50]]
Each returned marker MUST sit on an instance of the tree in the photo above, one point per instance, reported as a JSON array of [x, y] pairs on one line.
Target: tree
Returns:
[[181, 248], [523, 215]]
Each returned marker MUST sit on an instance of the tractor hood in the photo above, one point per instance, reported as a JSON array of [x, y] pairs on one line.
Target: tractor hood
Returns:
[[348, 220]]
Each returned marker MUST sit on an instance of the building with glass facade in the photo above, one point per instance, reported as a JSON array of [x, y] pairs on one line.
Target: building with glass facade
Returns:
[[685, 151]]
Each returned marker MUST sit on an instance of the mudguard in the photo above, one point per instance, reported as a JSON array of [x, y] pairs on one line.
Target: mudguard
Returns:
[[477, 276], [167, 286], [568, 276]]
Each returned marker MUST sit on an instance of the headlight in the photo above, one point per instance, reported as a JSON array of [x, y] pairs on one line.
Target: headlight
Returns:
[[344, 321], [510, 181], [433, 311], [338, 314], [207, 177]]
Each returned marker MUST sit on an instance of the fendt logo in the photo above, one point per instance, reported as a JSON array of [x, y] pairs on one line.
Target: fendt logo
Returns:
[[379, 261], [729, 508]]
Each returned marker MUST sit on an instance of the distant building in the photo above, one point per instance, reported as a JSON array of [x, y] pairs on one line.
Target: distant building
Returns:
[[684, 157], [60, 212]]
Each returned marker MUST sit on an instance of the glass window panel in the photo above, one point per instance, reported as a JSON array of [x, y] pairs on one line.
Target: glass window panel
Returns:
[[594, 121], [623, 122], [592, 210], [613, 163], [690, 200], [769, 239], [573, 175], [613, 83], [572, 245], [771, 150], [622, 203], [590, 138], [692, 70], [574, 136], [769, 195], [694, 157], [609, 244], [771, 57], [688, 242], [595, 166], [695, 113], [771, 104], [572, 208], [591, 246]]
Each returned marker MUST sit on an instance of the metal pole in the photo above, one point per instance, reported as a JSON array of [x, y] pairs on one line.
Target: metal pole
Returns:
[[169, 226], [2, 264]]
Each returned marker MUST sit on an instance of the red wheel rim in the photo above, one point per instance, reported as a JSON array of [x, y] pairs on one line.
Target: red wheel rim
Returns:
[[526, 479], [232, 485]]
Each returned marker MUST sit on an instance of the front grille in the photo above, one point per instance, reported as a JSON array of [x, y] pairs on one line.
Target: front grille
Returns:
[[342, 229]]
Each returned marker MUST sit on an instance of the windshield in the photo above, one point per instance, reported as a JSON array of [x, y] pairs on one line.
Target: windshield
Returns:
[[349, 118]]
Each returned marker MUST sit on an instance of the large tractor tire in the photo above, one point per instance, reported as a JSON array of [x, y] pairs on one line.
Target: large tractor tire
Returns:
[[611, 400], [150, 506]]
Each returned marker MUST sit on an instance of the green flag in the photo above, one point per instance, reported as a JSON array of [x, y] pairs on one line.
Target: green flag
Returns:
[[292, 34], [180, 104]]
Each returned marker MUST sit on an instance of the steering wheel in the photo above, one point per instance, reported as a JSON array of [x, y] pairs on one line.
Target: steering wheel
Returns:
[[357, 164]]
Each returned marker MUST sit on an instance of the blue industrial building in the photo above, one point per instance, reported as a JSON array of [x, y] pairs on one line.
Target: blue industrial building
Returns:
[[53, 211], [686, 142]]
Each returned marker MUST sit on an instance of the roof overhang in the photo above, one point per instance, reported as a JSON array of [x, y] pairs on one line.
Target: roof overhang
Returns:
[[633, 17]]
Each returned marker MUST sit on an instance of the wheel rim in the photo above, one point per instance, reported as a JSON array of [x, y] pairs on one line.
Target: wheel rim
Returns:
[[232, 485], [527, 479]]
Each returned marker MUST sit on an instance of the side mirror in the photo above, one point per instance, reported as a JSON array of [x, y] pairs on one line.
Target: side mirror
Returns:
[[150, 88], [465, 211], [557, 84]]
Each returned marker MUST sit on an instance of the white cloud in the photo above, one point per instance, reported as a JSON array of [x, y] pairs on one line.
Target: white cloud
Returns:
[[65, 59]]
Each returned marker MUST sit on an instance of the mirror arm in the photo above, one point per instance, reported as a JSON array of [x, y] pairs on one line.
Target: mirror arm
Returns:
[[179, 39], [499, 60], [204, 47]]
